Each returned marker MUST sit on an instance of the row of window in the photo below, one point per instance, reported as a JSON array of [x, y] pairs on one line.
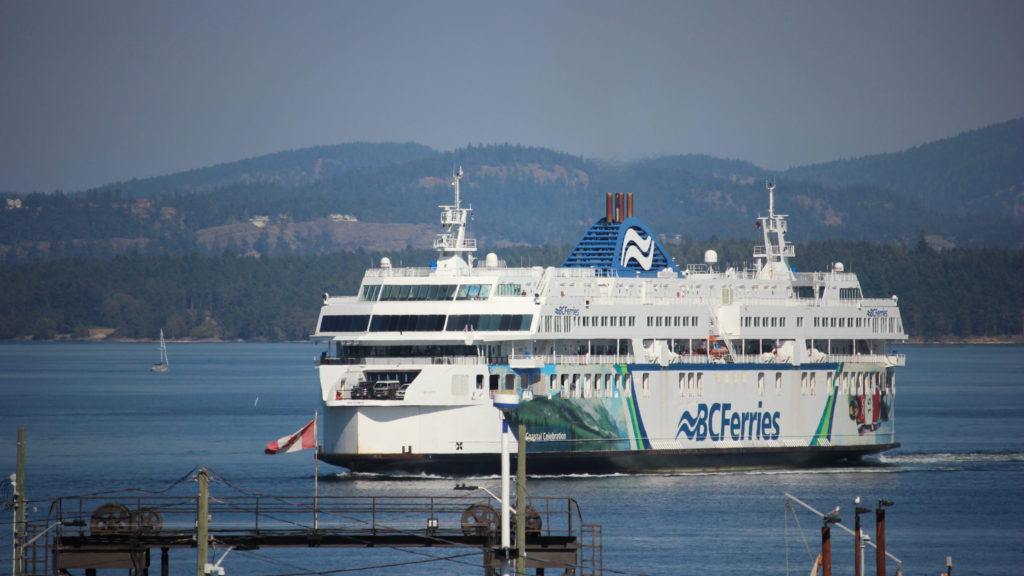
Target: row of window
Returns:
[[436, 292], [877, 325], [426, 323], [768, 322], [670, 321], [567, 323], [690, 384]]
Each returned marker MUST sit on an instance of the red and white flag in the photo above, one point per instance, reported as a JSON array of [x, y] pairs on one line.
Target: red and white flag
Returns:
[[304, 438]]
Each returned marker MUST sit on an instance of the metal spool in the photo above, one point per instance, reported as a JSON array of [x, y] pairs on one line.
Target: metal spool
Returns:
[[532, 521], [480, 520], [148, 520], [111, 517]]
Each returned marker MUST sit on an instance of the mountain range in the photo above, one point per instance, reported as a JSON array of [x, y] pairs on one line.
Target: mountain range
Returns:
[[962, 191]]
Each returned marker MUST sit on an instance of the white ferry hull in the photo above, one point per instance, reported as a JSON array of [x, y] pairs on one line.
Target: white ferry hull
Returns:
[[655, 422]]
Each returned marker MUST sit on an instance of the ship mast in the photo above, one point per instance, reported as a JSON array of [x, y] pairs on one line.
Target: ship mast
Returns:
[[453, 241], [772, 255]]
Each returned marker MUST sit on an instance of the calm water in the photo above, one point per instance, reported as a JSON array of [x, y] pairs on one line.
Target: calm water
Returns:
[[96, 419]]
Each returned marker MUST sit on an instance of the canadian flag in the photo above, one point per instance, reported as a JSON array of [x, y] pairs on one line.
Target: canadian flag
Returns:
[[304, 438]]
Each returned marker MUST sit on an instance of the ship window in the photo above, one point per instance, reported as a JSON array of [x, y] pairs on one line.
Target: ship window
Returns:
[[700, 384], [473, 292], [849, 293], [682, 383], [778, 383], [799, 321], [489, 322], [370, 293], [407, 323], [760, 383], [647, 384], [510, 289], [410, 292], [355, 323]]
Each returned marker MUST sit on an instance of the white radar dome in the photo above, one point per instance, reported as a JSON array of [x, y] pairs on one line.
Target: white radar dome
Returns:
[[711, 257], [385, 262], [838, 267], [491, 260]]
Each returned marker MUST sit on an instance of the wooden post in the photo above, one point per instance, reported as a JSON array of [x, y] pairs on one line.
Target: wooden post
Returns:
[[202, 522], [19, 508], [880, 540], [521, 504], [826, 550], [858, 569]]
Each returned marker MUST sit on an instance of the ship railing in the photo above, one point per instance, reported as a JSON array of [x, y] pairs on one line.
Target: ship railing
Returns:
[[120, 515], [822, 277], [418, 360], [577, 359], [419, 272], [888, 359]]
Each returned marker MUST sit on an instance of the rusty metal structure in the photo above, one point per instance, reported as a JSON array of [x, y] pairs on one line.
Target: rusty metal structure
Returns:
[[126, 532]]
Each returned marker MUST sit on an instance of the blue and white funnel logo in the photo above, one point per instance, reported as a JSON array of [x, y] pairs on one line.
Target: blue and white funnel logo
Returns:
[[636, 247]]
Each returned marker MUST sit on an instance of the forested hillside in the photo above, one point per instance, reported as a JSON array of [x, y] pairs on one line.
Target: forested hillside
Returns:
[[966, 191], [960, 293], [243, 250]]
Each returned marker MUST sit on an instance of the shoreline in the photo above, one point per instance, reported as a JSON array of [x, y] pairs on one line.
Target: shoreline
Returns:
[[1002, 339]]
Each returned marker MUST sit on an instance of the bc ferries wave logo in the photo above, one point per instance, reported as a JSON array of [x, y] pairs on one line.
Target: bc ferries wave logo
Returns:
[[718, 422], [636, 247]]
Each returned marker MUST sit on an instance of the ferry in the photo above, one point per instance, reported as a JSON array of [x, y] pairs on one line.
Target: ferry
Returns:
[[622, 360]]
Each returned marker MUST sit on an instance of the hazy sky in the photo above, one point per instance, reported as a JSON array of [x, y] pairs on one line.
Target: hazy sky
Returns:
[[98, 91]]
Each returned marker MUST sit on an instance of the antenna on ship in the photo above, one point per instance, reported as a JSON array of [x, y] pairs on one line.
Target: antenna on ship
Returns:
[[775, 250], [453, 218]]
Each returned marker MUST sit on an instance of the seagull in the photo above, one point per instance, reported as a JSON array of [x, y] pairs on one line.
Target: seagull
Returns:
[[834, 512], [856, 501]]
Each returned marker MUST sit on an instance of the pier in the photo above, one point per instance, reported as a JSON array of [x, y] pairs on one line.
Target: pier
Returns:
[[135, 533]]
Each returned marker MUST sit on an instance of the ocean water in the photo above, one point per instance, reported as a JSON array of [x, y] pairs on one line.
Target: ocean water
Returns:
[[97, 420]]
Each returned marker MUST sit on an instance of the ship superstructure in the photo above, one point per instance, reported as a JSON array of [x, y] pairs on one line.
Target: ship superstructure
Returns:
[[623, 361]]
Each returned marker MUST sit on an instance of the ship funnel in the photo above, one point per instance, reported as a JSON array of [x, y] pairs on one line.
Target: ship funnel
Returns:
[[629, 206], [609, 210]]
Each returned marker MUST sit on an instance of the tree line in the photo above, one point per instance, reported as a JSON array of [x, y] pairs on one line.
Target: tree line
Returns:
[[963, 293]]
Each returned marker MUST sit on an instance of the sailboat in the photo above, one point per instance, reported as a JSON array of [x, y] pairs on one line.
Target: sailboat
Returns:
[[164, 364]]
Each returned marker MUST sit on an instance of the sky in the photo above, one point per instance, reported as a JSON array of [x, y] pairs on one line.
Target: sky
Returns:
[[99, 91]]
